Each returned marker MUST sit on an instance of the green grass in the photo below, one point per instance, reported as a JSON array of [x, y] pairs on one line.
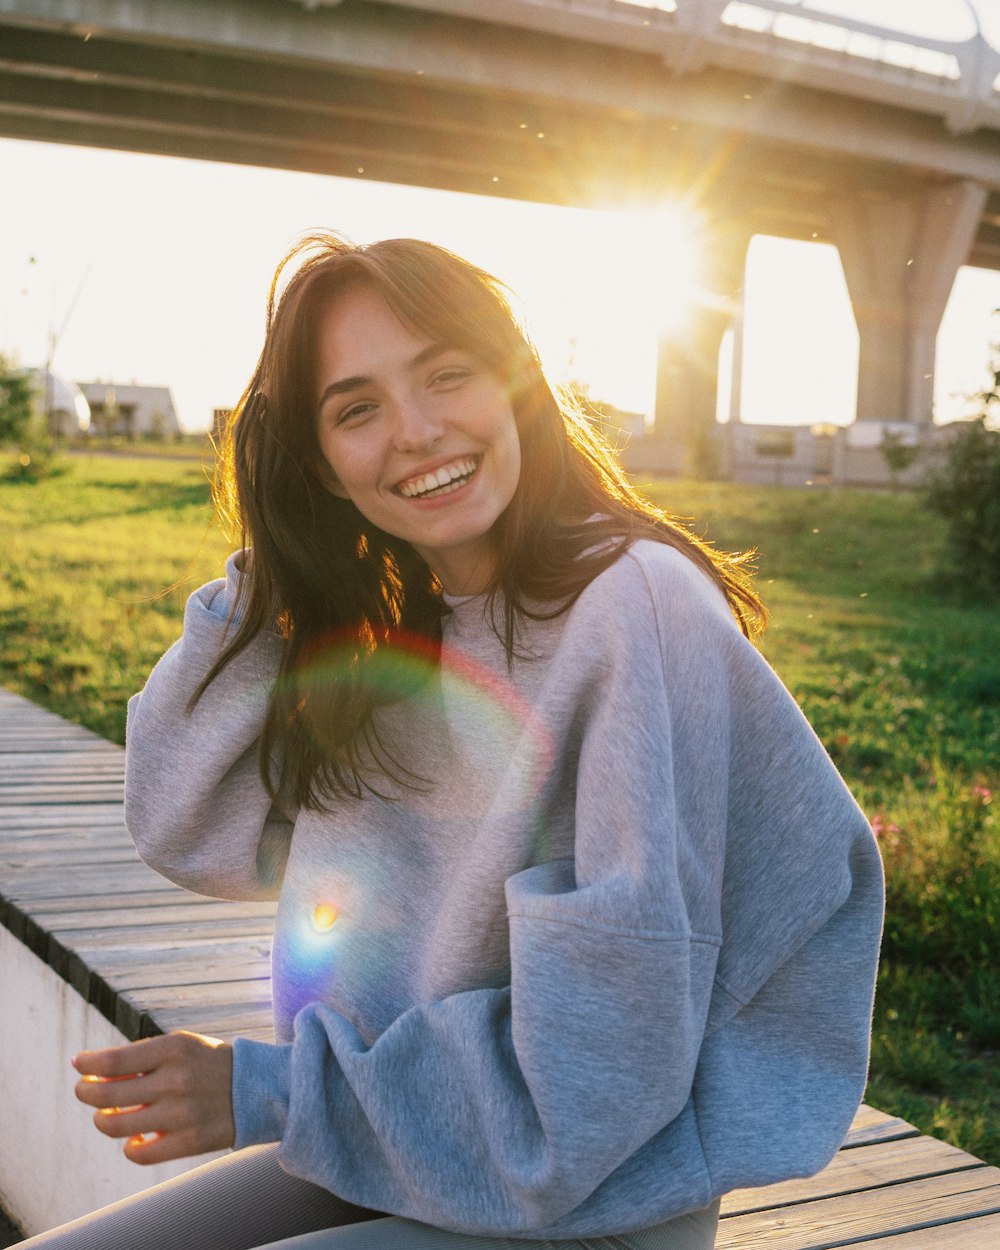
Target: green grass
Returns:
[[902, 686], [98, 560]]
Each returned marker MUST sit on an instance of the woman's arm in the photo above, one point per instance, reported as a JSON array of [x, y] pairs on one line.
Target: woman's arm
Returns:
[[194, 801]]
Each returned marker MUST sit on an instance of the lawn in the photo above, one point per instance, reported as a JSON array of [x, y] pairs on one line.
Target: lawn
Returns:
[[902, 686]]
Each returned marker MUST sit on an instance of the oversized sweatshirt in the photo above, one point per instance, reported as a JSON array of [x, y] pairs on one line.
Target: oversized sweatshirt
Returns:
[[610, 955]]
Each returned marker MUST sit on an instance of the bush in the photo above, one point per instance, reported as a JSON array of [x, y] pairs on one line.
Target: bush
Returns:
[[942, 860], [966, 492], [15, 403]]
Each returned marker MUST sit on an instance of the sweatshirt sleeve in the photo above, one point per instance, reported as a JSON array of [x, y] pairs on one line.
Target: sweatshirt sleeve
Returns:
[[551, 1106], [194, 801]]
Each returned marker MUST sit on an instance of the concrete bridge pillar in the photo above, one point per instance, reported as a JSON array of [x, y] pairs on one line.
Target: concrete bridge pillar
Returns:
[[687, 364], [900, 257]]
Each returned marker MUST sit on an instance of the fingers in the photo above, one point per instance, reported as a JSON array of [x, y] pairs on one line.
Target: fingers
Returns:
[[98, 1091], [128, 1121], [124, 1061], [158, 1148], [170, 1096]]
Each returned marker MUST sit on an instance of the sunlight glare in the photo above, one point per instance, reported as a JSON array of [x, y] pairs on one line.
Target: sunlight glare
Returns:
[[667, 243], [324, 917], [635, 276]]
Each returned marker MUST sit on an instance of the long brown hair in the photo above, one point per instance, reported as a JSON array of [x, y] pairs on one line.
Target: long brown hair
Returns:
[[323, 576]]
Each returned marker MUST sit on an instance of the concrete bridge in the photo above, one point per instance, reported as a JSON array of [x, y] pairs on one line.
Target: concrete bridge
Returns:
[[764, 117]]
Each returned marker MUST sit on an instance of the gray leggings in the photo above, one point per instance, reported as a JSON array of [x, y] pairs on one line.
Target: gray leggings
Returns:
[[245, 1201]]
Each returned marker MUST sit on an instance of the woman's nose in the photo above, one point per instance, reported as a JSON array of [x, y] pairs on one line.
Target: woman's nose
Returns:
[[416, 426]]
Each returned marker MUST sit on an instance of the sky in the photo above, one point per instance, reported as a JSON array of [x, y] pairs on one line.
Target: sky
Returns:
[[155, 269]]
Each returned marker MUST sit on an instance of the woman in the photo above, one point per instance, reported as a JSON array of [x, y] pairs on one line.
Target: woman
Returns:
[[577, 923]]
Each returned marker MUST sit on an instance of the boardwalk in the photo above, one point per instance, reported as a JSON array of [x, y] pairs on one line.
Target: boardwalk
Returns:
[[151, 957]]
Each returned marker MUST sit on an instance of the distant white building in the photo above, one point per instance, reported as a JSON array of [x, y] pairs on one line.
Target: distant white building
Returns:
[[60, 403], [117, 408]]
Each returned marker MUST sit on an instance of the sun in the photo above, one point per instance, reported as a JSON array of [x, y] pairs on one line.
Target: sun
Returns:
[[636, 278], [668, 240]]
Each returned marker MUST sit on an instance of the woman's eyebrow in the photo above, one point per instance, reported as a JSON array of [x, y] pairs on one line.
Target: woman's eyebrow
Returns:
[[353, 383]]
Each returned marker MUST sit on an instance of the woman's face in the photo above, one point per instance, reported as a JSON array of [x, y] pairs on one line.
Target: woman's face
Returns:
[[420, 436]]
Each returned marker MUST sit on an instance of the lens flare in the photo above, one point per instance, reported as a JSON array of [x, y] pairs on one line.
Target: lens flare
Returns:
[[461, 732], [472, 758], [324, 917]]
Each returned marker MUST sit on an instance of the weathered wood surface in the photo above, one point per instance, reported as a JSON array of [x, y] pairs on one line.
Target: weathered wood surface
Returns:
[[147, 954], [151, 957]]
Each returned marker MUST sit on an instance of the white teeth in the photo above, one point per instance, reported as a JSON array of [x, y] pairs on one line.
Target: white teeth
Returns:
[[441, 482]]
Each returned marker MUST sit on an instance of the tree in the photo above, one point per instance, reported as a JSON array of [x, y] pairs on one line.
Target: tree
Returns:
[[16, 403], [898, 454], [965, 490]]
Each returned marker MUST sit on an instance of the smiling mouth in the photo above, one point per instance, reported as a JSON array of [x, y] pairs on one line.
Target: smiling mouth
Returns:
[[441, 482]]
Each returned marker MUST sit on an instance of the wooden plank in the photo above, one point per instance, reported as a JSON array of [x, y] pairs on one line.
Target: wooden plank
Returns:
[[980, 1233], [52, 936], [211, 965], [100, 973], [184, 909], [188, 933], [59, 950], [54, 841], [882, 1163], [16, 743], [204, 1009], [213, 994], [23, 724], [154, 892], [81, 848], [76, 956], [54, 816], [871, 1125], [43, 765], [42, 881], [49, 780], [226, 1022], [108, 946], [49, 795], [866, 1216]]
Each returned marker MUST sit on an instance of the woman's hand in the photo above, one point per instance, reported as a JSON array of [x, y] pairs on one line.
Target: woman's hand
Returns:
[[171, 1096]]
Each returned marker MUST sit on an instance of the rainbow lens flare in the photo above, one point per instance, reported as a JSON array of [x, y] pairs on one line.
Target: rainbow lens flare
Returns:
[[324, 917]]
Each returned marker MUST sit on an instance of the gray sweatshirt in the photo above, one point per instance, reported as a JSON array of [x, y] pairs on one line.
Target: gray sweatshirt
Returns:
[[613, 956]]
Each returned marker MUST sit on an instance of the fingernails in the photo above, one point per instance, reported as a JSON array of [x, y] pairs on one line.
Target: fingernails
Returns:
[[73, 1061]]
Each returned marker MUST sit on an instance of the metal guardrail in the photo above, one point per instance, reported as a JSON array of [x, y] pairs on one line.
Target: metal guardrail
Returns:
[[957, 79]]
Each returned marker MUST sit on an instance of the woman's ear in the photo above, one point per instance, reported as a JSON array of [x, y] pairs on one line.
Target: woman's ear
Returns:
[[329, 480]]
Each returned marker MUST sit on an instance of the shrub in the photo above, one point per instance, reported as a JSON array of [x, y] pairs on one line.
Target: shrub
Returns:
[[15, 403], [942, 858], [965, 491]]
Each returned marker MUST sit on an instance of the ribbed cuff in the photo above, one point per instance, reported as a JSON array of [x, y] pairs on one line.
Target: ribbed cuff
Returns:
[[261, 1080]]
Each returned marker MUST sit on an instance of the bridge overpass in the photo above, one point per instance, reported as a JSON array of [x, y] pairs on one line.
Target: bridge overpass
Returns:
[[764, 117]]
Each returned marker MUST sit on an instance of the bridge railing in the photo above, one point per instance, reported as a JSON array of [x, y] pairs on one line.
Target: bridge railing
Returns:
[[957, 79]]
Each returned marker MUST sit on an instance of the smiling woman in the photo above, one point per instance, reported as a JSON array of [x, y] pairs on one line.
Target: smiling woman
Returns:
[[577, 923], [420, 437]]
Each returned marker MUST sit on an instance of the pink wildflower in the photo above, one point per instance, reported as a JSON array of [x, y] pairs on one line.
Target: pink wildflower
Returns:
[[881, 826]]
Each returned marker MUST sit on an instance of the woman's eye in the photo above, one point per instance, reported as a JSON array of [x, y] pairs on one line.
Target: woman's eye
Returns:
[[451, 376], [354, 412]]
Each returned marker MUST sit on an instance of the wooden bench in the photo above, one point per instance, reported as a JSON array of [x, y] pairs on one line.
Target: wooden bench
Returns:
[[83, 918]]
